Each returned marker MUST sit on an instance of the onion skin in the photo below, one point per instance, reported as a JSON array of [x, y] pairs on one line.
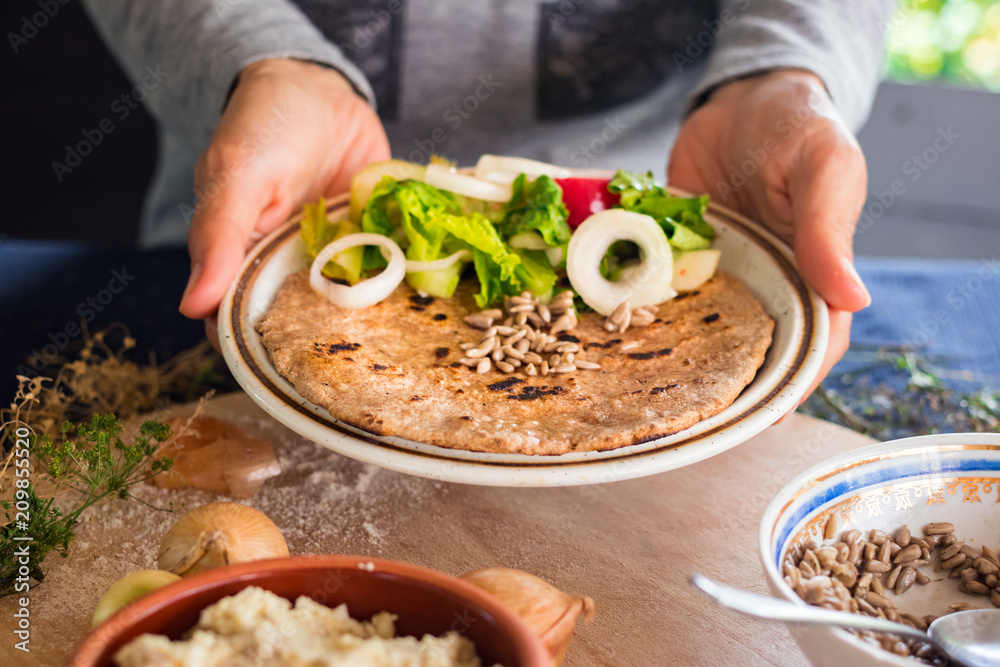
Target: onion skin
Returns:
[[219, 534], [550, 613]]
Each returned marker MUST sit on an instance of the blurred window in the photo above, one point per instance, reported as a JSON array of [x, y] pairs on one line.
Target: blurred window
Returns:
[[951, 41]]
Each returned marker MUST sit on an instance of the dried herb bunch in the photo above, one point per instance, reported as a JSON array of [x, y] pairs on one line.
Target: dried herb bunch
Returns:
[[80, 449], [917, 396]]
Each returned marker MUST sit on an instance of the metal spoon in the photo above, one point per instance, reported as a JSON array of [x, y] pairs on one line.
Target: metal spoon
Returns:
[[970, 638]]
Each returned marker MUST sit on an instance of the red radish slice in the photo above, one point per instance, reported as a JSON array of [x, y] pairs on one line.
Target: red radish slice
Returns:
[[585, 196]]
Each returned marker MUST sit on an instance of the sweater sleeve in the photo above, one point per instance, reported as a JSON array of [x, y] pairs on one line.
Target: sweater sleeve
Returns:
[[838, 40], [188, 53]]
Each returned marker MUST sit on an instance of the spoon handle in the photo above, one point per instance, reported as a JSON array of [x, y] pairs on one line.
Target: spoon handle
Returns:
[[779, 610]]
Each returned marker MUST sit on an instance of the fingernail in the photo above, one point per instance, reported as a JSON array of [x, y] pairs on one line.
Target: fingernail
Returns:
[[853, 273], [196, 270]]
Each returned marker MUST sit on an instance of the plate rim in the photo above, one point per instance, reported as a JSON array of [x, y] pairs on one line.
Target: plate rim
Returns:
[[537, 470]]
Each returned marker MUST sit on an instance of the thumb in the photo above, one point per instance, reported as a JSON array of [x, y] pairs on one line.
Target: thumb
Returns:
[[217, 241], [826, 195]]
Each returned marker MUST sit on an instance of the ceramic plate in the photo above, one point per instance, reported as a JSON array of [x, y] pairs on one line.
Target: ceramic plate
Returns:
[[749, 252]]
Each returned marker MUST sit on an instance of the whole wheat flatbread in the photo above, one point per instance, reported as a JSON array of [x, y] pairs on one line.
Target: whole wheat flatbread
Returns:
[[392, 369]]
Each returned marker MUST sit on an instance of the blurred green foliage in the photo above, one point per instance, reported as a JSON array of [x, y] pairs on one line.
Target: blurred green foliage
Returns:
[[957, 41]]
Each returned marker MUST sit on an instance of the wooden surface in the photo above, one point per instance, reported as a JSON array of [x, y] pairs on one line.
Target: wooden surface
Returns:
[[629, 545]]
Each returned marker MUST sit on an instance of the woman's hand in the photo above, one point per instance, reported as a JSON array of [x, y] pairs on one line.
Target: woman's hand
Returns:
[[292, 132], [774, 148]]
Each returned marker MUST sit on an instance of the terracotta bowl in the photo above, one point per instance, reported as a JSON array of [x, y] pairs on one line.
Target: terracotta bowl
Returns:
[[426, 601], [915, 481]]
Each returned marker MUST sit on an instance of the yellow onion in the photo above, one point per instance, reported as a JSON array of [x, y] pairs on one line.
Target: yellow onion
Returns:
[[219, 534], [549, 612]]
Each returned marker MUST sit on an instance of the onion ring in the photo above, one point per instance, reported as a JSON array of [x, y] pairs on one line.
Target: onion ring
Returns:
[[467, 186], [646, 284], [414, 266], [367, 292]]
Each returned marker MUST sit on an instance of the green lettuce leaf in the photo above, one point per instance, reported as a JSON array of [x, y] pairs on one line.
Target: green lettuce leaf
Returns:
[[682, 218], [538, 207], [318, 231]]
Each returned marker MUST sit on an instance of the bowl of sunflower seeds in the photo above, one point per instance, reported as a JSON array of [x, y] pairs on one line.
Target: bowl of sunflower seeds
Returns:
[[908, 530]]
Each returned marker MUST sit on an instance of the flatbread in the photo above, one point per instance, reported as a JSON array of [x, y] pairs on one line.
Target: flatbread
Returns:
[[392, 369]]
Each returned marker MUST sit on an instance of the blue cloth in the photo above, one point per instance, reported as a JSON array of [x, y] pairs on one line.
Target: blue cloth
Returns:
[[948, 310]]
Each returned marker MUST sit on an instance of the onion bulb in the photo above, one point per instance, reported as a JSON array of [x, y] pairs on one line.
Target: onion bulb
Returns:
[[367, 292], [550, 613], [646, 284], [219, 534], [447, 178], [413, 266]]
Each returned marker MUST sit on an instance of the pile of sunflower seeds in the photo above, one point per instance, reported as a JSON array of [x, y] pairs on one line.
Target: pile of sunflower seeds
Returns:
[[857, 574], [622, 317], [516, 337]]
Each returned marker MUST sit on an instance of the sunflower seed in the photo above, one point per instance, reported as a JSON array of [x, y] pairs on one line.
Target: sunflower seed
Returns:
[[483, 366], [985, 566], [479, 321], [988, 553], [476, 353], [902, 536], [467, 346], [877, 537], [494, 313], [564, 368], [535, 320], [523, 345], [909, 553], [959, 606], [532, 358], [498, 355], [876, 567], [511, 352], [952, 562], [877, 587], [515, 337], [905, 580], [554, 360], [522, 300], [561, 324], [544, 313], [470, 362], [939, 528], [830, 528], [520, 318], [893, 576], [545, 367], [977, 587], [629, 345], [506, 331], [505, 367], [522, 308], [879, 601], [885, 552], [586, 365], [568, 347], [530, 369], [492, 331]]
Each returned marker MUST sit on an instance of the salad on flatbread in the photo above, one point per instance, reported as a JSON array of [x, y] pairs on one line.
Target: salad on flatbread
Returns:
[[518, 307]]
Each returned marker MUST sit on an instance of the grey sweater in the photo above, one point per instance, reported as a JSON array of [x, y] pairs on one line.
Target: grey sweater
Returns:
[[585, 83]]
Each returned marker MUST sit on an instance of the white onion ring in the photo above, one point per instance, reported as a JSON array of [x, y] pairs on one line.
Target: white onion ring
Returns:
[[646, 284], [367, 292], [413, 266], [468, 186], [493, 164]]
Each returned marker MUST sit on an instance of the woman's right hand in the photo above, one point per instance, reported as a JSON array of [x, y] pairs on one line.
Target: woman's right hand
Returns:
[[293, 131]]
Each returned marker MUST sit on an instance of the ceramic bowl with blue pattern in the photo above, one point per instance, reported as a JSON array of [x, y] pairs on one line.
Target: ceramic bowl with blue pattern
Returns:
[[916, 481]]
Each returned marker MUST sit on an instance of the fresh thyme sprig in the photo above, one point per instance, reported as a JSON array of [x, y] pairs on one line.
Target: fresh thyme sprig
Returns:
[[93, 461]]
